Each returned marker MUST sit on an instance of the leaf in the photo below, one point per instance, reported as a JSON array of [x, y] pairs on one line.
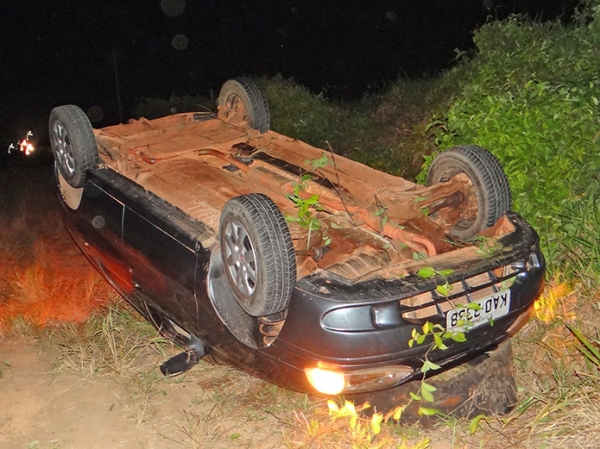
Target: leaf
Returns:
[[398, 412], [446, 272], [313, 199], [426, 272], [427, 327], [427, 396], [428, 366], [425, 411], [444, 289], [439, 344], [458, 337], [376, 420], [475, 423], [415, 396], [428, 387], [426, 391], [321, 162]]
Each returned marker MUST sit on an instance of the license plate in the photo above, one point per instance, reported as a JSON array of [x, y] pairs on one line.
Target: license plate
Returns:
[[462, 319]]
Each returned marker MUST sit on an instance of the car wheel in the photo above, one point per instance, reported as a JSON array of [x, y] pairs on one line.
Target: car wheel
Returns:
[[258, 255], [488, 196], [240, 100], [73, 143]]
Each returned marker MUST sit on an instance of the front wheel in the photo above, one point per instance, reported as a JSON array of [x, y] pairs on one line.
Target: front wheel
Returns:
[[487, 195], [258, 254]]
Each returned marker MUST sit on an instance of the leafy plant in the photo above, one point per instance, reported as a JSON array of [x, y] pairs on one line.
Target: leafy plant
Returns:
[[381, 213], [530, 95], [304, 216], [318, 163], [443, 289], [426, 390]]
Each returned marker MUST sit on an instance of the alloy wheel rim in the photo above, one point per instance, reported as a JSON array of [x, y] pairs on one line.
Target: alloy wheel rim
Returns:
[[240, 257], [64, 152]]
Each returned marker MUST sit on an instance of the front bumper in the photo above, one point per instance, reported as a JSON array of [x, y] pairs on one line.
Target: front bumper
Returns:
[[351, 327]]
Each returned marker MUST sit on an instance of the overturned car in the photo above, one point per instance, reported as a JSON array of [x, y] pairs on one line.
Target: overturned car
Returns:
[[292, 263]]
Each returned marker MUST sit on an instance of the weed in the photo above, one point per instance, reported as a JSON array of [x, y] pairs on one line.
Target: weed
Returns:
[[110, 343]]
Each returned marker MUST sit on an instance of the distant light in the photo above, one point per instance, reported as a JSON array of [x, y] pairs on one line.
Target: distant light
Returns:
[[172, 8], [25, 145], [391, 15], [180, 42]]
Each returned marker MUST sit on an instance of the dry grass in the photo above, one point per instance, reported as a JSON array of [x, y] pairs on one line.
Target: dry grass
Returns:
[[115, 341], [43, 276]]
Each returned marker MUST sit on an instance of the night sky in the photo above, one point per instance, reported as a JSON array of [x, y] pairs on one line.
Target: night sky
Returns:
[[58, 52]]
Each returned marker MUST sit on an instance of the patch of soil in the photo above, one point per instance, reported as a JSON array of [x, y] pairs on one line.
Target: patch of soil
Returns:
[[42, 409]]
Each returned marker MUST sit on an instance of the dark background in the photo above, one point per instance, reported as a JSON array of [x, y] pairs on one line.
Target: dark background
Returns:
[[60, 52]]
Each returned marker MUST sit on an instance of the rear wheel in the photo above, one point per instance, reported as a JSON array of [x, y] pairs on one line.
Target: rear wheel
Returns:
[[487, 196], [258, 254], [73, 143], [240, 100]]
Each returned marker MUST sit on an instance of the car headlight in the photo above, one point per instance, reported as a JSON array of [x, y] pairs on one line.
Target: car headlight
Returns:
[[331, 381]]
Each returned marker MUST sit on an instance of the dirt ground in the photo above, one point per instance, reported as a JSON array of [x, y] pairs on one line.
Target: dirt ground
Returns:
[[42, 408]]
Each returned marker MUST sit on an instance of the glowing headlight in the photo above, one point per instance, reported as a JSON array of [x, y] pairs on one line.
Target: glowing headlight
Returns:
[[331, 381], [326, 381]]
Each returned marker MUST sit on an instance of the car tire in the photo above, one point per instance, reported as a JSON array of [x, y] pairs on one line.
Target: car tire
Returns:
[[258, 254], [241, 100], [488, 179], [73, 143]]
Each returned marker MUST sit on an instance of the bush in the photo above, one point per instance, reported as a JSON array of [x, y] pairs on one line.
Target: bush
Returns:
[[385, 130], [298, 113], [531, 96]]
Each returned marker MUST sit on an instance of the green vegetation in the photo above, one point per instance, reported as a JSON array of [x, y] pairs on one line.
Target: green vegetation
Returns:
[[531, 96]]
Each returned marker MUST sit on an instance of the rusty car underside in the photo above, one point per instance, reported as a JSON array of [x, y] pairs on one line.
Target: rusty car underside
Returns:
[[365, 223]]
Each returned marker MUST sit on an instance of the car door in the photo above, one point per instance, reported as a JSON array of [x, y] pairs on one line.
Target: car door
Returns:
[[97, 227], [161, 259]]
